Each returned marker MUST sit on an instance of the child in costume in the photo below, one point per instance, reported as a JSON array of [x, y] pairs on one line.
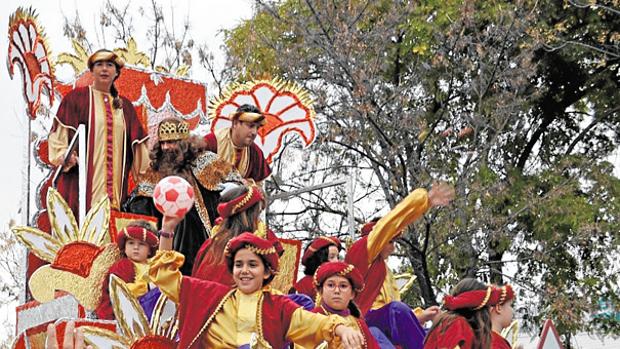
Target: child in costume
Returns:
[[337, 283], [501, 317], [322, 249], [137, 243], [467, 323], [239, 211], [380, 301], [213, 315]]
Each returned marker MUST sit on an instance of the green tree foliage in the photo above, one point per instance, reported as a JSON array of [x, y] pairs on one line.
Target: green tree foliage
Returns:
[[513, 102]]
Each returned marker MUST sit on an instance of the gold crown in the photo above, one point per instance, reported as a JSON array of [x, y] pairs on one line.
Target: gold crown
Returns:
[[173, 131]]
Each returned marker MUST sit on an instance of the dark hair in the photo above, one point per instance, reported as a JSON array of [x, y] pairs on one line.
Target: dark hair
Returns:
[[319, 257], [140, 223], [179, 164], [235, 225], [244, 108], [479, 320], [248, 108], [230, 264]]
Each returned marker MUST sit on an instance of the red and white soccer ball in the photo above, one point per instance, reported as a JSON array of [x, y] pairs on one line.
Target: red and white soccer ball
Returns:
[[173, 196]]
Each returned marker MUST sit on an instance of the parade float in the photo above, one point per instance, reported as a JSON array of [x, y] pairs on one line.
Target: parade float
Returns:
[[68, 254]]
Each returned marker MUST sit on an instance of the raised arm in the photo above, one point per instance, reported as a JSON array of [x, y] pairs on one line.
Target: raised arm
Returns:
[[406, 212]]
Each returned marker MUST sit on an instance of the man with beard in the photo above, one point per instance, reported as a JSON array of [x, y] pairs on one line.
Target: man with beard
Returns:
[[236, 145], [176, 153]]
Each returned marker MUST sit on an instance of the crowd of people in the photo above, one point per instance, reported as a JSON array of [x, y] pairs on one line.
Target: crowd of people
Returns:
[[217, 262]]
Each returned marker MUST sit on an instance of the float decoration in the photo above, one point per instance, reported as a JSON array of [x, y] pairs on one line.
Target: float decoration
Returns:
[[287, 108], [79, 257], [137, 332], [29, 51]]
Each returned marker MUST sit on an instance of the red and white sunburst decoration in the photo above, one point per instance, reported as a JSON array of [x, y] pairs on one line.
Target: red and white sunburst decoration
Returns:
[[287, 108], [28, 50]]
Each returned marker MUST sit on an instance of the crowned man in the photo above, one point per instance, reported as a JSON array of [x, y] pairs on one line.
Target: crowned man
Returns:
[[176, 153], [235, 144]]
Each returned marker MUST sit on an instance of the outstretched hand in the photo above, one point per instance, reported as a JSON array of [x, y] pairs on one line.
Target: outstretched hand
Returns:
[[441, 194], [74, 338], [350, 338], [429, 314]]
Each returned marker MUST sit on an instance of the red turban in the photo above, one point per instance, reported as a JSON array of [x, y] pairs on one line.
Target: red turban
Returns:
[[329, 269], [319, 243], [260, 246], [241, 203]]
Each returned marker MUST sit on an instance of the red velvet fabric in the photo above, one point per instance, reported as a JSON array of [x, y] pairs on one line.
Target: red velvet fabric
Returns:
[[457, 332], [200, 299], [306, 286], [258, 168], [125, 270], [499, 342], [374, 274]]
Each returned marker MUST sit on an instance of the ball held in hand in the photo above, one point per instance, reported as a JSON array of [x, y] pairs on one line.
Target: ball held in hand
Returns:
[[173, 196]]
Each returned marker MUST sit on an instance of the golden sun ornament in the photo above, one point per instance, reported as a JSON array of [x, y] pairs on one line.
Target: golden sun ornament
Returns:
[[137, 331], [79, 257]]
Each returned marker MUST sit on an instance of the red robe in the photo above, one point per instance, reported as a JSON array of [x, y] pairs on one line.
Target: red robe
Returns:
[[499, 342], [200, 300], [73, 111], [374, 274], [258, 168], [448, 336], [124, 269], [306, 286], [217, 272], [371, 342]]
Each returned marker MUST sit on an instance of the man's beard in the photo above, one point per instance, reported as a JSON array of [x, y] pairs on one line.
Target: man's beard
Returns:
[[171, 162]]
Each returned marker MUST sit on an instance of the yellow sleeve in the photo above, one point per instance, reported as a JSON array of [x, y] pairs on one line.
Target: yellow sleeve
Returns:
[[164, 272], [405, 213], [58, 142], [310, 329], [141, 161]]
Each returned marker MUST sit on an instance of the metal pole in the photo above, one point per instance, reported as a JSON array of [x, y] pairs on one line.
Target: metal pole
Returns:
[[289, 194], [26, 209], [351, 215], [82, 173]]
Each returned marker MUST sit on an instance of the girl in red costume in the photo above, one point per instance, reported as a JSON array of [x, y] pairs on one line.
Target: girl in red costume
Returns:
[[212, 315], [137, 242], [337, 283], [239, 212], [467, 323], [322, 249], [501, 317]]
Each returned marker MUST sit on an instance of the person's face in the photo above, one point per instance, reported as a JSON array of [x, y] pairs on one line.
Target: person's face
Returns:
[[169, 145], [104, 73], [332, 254], [337, 292], [244, 133], [505, 314], [136, 250], [389, 248], [249, 271]]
